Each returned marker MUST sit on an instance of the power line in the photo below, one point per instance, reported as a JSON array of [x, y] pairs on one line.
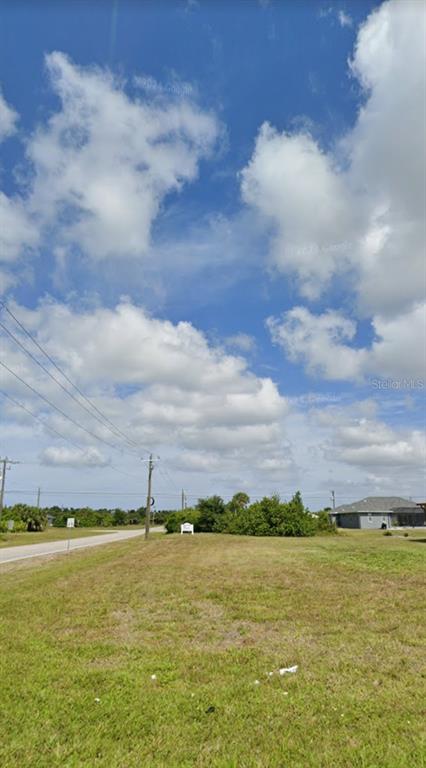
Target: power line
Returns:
[[59, 383], [91, 493], [59, 410], [66, 377], [41, 421], [63, 437]]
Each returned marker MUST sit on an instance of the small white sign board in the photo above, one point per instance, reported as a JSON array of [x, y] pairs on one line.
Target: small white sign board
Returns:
[[187, 528], [10, 525], [70, 522]]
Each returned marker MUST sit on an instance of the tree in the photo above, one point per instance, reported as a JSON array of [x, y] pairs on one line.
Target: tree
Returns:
[[238, 502], [119, 517], [211, 510], [34, 518]]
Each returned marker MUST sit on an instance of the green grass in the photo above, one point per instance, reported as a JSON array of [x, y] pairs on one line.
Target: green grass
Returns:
[[50, 534], [209, 615]]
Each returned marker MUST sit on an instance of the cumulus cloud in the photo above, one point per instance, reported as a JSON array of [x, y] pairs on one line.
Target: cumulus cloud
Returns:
[[104, 162], [163, 382], [16, 229], [8, 118], [60, 456], [359, 207], [322, 344], [366, 441], [294, 185]]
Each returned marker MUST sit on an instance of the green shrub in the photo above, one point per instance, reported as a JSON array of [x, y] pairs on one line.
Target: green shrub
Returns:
[[270, 517], [175, 519], [324, 523], [18, 527], [25, 516], [387, 533]]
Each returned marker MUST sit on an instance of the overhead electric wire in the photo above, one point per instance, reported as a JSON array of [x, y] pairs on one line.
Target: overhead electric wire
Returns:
[[127, 493], [59, 369], [63, 437], [41, 421], [59, 383], [59, 410]]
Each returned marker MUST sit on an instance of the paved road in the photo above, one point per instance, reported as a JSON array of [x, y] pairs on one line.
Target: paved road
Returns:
[[12, 554]]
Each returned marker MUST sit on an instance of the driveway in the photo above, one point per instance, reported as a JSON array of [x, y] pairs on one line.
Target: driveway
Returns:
[[24, 552]]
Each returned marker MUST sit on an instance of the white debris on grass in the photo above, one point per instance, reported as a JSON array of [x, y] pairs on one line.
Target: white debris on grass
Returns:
[[97, 701], [153, 677], [282, 671], [289, 670]]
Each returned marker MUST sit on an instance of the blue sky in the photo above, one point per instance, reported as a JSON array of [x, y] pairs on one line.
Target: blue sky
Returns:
[[242, 183]]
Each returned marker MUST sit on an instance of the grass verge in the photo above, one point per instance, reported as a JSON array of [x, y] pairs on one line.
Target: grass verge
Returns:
[[209, 615], [49, 534]]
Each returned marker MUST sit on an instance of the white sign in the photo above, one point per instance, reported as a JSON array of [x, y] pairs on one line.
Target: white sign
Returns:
[[10, 525], [70, 522], [187, 528]]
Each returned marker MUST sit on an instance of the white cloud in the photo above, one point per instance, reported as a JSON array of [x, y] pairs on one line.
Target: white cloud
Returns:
[[16, 228], [213, 421], [345, 20], [104, 163], [367, 442], [164, 383], [358, 208], [241, 341], [296, 187], [320, 342], [8, 119], [60, 456]]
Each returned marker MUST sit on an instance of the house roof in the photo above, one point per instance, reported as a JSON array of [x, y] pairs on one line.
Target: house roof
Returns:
[[378, 504]]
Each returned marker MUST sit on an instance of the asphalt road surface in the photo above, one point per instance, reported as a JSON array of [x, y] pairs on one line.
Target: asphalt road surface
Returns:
[[26, 551]]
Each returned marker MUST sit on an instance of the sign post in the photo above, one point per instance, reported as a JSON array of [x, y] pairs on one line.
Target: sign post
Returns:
[[70, 524]]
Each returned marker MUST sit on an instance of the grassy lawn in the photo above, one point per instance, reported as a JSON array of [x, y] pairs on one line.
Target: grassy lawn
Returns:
[[50, 534], [209, 615]]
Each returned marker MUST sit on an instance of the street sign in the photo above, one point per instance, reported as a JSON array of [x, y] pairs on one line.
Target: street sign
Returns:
[[70, 522], [187, 528]]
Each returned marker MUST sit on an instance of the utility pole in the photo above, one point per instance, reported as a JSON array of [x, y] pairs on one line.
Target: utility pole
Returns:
[[4, 462], [148, 498], [38, 497], [183, 501], [333, 499]]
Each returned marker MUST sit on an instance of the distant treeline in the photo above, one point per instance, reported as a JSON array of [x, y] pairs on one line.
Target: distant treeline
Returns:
[[268, 517], [30, 518]]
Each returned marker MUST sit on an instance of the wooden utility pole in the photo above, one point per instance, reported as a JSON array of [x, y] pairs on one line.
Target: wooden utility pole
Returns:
[[3, 463], [38, 497], [333, 499], [148, 498], [183, 504]]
